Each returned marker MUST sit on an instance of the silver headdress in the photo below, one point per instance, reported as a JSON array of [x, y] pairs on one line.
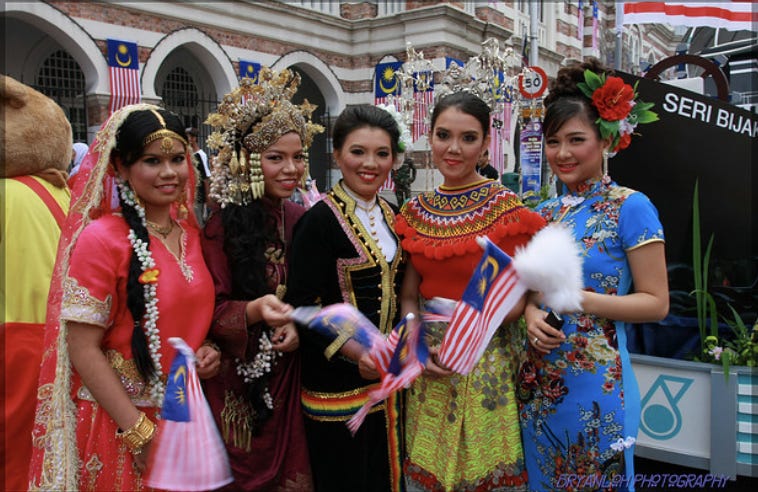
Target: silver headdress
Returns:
[[491, 75]]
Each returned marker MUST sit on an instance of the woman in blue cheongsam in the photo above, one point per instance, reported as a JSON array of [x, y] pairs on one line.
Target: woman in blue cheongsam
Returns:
[[579, 401]]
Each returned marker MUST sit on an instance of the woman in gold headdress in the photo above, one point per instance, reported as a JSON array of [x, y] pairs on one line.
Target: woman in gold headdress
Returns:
[[262, 141], [127, 278]]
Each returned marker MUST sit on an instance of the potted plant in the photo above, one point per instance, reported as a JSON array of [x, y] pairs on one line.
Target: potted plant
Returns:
[[699, 413]]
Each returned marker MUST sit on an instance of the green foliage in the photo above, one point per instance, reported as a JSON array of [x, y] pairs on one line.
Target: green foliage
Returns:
[[740, 350]]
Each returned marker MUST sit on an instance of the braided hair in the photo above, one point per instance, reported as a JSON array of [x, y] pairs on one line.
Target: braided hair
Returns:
[[129, 148]]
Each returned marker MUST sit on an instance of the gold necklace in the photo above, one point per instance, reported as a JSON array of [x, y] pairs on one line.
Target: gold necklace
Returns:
[[163, 231]]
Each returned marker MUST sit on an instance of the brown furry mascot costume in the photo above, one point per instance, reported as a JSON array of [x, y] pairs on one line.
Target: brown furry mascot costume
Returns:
[[34, 198]]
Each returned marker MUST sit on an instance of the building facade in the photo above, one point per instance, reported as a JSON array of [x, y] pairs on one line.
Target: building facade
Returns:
[[189, 52]]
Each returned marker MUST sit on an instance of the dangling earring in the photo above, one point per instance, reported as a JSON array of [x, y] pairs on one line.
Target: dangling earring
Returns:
[[605, 162], [257, 186], [181, 206], [306, 172]]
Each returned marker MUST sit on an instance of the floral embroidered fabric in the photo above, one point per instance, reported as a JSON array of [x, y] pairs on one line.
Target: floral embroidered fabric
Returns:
[[579, 399]]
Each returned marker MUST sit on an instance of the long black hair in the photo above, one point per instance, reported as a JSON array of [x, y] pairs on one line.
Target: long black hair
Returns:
[[129, 148]]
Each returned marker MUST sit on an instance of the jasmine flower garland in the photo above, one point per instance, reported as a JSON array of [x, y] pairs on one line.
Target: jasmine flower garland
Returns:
[[405, 143], [149, 280], [262, 364]]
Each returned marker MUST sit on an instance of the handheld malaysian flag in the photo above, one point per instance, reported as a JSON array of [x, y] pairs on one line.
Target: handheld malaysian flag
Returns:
[[187, 453], [406, 364], [123, 68], [550, 263]]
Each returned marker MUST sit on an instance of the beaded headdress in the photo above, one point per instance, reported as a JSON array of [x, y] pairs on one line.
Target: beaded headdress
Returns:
[[249, 120]]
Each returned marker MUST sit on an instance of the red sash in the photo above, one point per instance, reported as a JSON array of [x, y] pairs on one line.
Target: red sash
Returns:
[[58, 214]]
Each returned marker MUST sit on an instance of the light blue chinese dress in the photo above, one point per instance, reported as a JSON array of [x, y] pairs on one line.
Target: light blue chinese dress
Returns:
[[581, 401]]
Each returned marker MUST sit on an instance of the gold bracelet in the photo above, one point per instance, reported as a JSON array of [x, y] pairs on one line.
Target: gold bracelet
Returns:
[[140, 434]]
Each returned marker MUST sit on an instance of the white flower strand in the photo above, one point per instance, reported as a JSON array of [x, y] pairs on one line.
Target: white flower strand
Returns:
[[128, 197], [406, 141], [262, 364], [150, 321]]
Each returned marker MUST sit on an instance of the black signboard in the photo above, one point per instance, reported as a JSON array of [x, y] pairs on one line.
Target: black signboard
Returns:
[[704, 139]]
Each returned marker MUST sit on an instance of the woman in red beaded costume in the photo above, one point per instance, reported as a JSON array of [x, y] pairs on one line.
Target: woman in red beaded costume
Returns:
[[462, 431]]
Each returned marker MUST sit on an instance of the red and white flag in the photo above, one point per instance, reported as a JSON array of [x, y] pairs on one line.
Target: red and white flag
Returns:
[[123, 68], [734, 15]]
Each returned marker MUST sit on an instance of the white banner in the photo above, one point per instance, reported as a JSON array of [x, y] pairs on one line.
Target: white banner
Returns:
[[734, 15]]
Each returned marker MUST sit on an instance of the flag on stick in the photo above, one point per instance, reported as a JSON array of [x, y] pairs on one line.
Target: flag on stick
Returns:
[[187, 453], [341, 322], [407, 363], [551, 264], [491, 293]]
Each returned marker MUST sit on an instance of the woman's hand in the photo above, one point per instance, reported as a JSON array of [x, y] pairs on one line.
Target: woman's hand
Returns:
[[433, 367], [367, 368], [208, 361], [285, 338], [142, 459], [542, 336], [268, 309]]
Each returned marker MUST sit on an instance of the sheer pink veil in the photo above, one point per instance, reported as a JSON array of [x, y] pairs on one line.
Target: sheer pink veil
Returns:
[[55, 459]]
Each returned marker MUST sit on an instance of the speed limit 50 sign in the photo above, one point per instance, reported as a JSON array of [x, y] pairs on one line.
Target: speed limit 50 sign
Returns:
[[532, 83]]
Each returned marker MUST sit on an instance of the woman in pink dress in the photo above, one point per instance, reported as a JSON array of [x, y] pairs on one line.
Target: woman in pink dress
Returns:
[[129, 275]]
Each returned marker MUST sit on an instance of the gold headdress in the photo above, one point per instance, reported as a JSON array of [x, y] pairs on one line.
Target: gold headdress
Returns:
[[166, 135], [249, 119]]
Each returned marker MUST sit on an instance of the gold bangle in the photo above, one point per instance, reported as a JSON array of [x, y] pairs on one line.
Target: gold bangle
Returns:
[[140, 434]]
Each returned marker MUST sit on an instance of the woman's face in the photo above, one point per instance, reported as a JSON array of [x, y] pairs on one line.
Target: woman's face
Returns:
[[158, 178], [365, 160], [283, 165], [575, 152], [458, 142]]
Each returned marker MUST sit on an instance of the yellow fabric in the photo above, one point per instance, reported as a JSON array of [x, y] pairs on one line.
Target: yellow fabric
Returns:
[[464, 430], [28, 250]]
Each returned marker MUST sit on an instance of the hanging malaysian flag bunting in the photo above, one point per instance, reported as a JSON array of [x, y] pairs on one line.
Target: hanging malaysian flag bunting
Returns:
[[595, 25], [386, 84], [385, 81], [123, 68], [493, 290], [187, 453], [406, 364], [250, 70], [734, 15], [423, 96]]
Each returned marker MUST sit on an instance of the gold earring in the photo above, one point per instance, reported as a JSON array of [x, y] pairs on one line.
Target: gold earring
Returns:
[[181, 206]]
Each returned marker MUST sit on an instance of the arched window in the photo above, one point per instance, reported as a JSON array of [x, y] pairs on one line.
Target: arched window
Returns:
[[61, 79], [180, 95]]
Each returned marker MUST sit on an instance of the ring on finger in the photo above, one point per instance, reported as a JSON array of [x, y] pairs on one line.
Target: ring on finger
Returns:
[[536, 340]]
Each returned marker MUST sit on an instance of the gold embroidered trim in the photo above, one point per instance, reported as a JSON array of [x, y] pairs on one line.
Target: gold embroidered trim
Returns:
[[79, 305], [126, 369]]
